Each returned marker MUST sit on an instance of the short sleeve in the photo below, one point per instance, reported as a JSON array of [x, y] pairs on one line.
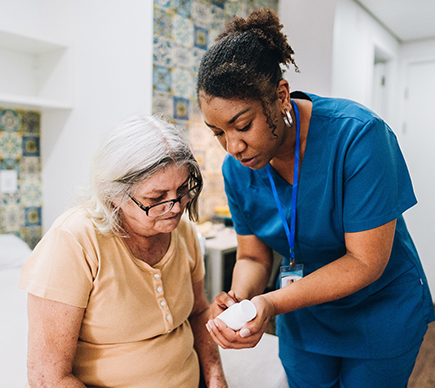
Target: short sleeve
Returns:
[[237, 216], [59, 269], [377, 185], [196, 258]]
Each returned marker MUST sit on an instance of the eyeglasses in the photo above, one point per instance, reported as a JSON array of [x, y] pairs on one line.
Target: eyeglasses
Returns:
[[166, 206]]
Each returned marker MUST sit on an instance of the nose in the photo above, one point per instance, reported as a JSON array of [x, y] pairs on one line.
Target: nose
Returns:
[[234, 144], [177, 207]]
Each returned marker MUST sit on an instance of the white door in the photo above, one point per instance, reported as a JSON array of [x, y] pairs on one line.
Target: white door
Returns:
[[418, 145]]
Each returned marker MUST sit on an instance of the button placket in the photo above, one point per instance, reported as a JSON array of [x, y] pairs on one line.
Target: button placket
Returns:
[[160, 297]]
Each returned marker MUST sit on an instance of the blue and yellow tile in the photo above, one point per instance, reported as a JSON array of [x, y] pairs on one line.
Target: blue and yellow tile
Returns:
[[219, 3], [162, 51], [10, 145], [31, 193], [202, 13], [162, 79], [200, 37], [163, 3], [181, 108], [30, 122], [182, 83], [163, 104], [162, 23], [32, 216], [31, 146], [182, 31], [183, 7], [9, 120], [20, 151]]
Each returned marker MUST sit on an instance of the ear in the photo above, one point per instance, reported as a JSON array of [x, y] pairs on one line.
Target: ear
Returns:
[[283, 92], [116, 202]]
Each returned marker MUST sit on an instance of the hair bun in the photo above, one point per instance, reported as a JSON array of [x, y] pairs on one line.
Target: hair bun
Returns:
[[264, 24]]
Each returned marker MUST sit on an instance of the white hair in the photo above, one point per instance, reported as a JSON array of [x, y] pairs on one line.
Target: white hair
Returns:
[[138, 148]]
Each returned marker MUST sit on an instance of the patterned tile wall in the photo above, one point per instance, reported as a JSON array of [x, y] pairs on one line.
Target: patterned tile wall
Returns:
[[20, 209], [183, 30]]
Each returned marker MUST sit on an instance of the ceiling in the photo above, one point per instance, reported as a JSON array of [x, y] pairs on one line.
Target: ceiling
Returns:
[[407, 20]]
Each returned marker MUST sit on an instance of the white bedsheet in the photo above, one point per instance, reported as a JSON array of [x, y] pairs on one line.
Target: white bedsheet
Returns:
[[13, 330], [259, 367]]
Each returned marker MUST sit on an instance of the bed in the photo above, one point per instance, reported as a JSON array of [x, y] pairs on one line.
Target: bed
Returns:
[[259, 367], [254, 368], [13, 314]]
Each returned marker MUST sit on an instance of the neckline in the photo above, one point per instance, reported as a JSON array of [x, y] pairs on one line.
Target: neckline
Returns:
[[145, 265]]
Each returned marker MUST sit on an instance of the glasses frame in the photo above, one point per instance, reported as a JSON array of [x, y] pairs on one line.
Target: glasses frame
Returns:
[[172, 201]]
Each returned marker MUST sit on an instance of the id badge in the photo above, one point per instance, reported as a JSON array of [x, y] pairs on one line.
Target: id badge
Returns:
[[289, 274]]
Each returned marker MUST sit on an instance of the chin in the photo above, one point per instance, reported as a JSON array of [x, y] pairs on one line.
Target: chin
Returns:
[[258, 166]]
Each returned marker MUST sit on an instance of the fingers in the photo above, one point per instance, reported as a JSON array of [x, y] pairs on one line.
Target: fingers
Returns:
[[221, 303], [233, 295], [226, 300], [249, 335], [227, 338]]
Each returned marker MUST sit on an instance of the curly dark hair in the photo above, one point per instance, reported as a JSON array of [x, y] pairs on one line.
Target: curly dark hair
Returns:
[[247, 61]]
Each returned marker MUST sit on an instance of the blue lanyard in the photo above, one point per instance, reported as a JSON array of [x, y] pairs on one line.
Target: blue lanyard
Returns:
[[290, 233]]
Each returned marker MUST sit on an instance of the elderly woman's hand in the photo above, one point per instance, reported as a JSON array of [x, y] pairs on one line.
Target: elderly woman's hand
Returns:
[[221, 303], [250, 334]]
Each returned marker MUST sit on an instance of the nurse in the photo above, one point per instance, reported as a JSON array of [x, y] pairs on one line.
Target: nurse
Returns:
[[323, 182]]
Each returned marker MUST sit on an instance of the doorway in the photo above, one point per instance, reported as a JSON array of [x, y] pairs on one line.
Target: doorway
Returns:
[[417, 141], [380, 86]]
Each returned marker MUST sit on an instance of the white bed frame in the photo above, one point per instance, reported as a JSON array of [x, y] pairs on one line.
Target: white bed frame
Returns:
[[13, 330]]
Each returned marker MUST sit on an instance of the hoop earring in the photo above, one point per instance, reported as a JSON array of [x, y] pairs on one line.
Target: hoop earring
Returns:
[[287, 118]]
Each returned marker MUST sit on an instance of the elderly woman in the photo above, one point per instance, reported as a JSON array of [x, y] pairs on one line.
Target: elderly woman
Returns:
[[116, 293]]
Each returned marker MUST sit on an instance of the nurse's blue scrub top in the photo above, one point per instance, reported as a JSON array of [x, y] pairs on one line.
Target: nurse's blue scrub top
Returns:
[[353, 178]]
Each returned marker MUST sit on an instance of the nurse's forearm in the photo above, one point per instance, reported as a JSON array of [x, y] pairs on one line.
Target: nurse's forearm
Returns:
[[250, 278], [333, 281], [367, 255]]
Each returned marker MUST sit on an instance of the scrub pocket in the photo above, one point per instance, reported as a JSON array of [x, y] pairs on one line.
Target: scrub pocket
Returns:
[[396, 317]]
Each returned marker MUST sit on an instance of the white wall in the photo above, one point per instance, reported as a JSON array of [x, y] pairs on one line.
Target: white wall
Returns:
[[356, 36], [309, 26], [411, 52], [111, 78], [417, 139], [334, 43]]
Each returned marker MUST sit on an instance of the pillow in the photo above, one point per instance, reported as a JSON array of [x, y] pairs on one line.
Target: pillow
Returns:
[[13, 251]]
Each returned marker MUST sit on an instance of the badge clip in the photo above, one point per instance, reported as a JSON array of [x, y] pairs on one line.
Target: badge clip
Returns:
[[291, 273]]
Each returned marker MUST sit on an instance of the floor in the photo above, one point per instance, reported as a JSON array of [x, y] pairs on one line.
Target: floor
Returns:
[[423, 375]]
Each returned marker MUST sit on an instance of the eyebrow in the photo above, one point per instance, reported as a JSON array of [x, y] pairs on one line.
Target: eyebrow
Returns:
[[160, 192], [232, 120]]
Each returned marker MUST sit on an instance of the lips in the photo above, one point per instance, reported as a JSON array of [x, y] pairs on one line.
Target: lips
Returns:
[[172, 218], [248, 162]]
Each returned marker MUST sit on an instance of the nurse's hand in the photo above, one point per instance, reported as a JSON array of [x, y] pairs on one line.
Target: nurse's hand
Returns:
[[250, 334]]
